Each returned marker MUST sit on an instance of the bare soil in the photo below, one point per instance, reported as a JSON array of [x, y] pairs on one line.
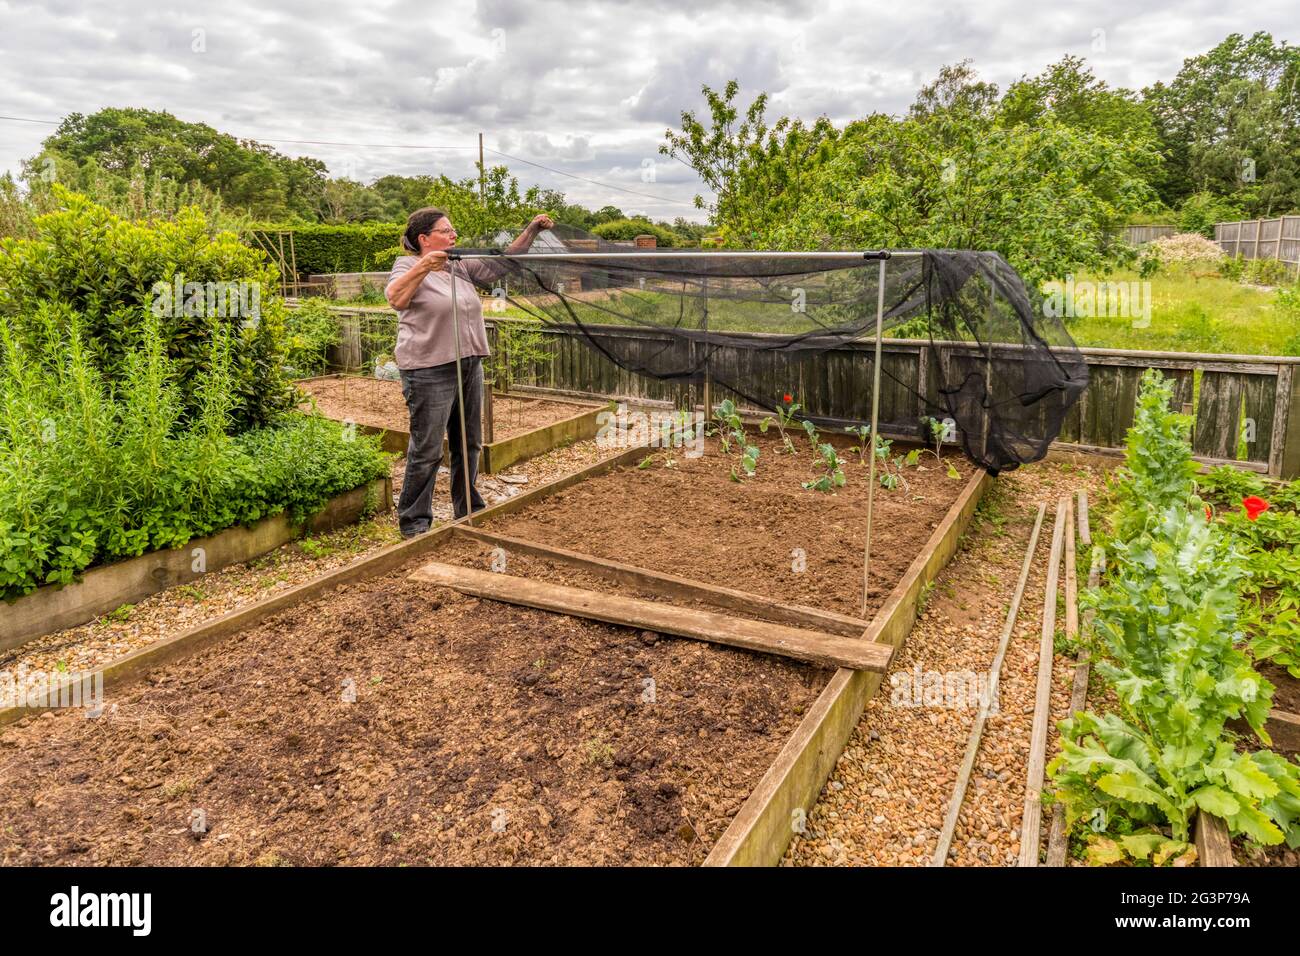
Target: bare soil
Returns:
[[766, 534], [379, 403], [1286, 692], [480, 734]]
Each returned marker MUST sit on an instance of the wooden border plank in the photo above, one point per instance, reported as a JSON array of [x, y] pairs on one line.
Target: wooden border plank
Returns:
[[995, 673], [813, 647], [140, 662], [499, 455], [1283, 728], [1032, 819], [762, 829], [671, 585]]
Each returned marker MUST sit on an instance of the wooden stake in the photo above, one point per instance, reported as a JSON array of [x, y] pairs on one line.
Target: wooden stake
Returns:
[[813, 647], [1032, 820], [1085, 530], [1056, 837], [977, 730], [1213, 843]]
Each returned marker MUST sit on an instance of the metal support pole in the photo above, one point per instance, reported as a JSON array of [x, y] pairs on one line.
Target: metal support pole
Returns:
[[670, 255], [875, 422], [489, 412], [460, 400], [708, 397]]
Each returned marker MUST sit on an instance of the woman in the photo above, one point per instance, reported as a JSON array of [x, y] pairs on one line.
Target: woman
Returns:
[[420, 289]]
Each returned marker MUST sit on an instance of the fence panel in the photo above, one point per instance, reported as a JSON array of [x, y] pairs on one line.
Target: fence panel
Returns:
[[1262, 239]]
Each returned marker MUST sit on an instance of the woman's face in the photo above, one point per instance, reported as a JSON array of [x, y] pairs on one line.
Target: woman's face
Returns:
[[443, 236]]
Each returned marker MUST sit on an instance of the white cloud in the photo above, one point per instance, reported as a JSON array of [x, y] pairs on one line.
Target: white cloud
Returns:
[[585, 88]]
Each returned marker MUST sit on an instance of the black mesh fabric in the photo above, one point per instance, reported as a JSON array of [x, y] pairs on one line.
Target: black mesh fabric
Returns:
[[751, 324]]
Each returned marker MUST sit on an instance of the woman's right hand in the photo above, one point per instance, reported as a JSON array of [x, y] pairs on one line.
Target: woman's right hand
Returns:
[[433, 262]]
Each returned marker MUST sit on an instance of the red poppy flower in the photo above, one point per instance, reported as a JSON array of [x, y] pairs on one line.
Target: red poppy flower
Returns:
[[787, 398], [1254, 506]]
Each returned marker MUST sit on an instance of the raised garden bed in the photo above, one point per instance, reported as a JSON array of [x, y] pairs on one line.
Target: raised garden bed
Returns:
[[110, 586], [483, 732], [523, 426]]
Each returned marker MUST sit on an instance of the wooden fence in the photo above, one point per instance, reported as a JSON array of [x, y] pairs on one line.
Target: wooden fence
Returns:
[[1246, 408], [1141, 235], [1262, 239]]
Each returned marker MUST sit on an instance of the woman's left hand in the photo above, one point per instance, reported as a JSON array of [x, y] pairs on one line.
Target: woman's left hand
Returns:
[[542, 221]]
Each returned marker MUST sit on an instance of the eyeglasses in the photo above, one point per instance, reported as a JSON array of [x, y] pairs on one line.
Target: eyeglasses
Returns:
[[448, 232]]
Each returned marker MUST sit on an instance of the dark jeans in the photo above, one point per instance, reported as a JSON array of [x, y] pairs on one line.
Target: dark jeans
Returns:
[[431, 400]]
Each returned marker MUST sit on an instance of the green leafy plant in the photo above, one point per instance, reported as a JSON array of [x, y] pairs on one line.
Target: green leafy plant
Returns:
[[785, 419], [731, 431], [890, 471], [1167, 639], [93, 471], [1167, 628], [113, 277], [1158, 470], [832, 468]]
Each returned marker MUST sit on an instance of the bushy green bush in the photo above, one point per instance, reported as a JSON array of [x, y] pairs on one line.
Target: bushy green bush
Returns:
[[1267, 272], [1201, 211], [1184, 250], [92, 470], [356, 248], [108, 274], [629, 229]]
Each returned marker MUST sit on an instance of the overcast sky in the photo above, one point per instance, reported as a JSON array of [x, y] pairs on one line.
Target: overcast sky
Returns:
[[585, 88]]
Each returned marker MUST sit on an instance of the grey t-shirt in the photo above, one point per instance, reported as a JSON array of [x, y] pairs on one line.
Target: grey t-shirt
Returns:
[[425, 336]]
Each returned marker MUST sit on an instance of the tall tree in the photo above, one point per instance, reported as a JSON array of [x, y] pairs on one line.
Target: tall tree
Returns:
[[249, 176], [1229, 123]]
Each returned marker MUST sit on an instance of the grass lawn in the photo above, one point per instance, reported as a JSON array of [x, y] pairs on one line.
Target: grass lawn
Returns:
[[1196, 314]]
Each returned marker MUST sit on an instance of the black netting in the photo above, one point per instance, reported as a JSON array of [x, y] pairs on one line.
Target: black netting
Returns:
[[968, 341]]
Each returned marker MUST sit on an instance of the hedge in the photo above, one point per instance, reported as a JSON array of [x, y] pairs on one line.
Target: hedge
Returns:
[[321, 249]]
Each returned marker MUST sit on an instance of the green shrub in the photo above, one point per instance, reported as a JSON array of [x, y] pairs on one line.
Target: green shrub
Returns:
[[629, 229], [93, 470], [1201, 211], [1267, 272], [108, 274], [1288, 308], [1232, 268]]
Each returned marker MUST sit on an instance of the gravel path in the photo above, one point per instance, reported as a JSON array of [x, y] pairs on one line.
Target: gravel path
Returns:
[[885, 800]]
